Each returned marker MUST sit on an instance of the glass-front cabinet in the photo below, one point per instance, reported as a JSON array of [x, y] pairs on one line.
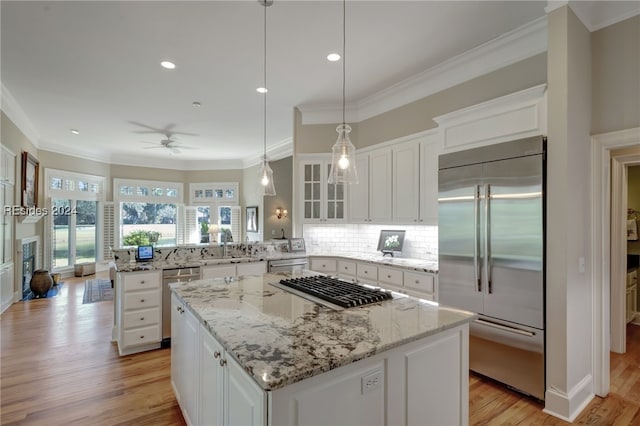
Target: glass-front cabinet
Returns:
[[320, 201]]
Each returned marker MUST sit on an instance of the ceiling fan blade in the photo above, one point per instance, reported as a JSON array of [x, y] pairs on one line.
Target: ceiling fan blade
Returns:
[[152, 147]]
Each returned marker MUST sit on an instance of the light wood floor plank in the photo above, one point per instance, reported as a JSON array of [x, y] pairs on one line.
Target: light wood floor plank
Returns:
[[58, 367]]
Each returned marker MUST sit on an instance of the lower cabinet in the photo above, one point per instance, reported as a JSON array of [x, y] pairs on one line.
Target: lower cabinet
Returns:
[[6, 286], [211, 388]]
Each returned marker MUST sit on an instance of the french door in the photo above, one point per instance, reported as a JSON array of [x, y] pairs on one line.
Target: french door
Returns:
[[74, 232]]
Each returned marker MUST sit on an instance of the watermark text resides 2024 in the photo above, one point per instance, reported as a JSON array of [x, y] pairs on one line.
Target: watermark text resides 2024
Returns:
[[39, 211]]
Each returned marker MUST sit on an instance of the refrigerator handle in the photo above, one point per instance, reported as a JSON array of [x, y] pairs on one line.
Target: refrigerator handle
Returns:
[[487, 241], [476, 245], [505, 327]]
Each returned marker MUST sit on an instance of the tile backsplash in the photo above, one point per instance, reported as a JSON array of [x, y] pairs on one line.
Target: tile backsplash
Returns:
[[419, 241]]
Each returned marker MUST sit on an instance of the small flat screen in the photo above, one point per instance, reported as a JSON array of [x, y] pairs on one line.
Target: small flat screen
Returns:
[[145, 253], [391, 241]]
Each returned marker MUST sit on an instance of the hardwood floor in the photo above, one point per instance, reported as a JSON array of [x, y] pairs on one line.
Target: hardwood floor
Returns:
[[59, 367]]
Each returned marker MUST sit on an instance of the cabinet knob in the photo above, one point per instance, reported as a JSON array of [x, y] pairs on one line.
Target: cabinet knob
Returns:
[[142, 282], [415, 220], [141, 300], [223, 362], [388, 276], [345, 268], [417, 281], [366, 272], [142, 337], [141, 318], [216, 354]]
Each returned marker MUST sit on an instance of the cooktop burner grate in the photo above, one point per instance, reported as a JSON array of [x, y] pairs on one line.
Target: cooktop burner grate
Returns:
[[342, 293]]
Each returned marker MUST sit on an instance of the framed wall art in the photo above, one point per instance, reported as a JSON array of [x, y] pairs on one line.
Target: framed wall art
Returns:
[[29, 186], [252, 218]]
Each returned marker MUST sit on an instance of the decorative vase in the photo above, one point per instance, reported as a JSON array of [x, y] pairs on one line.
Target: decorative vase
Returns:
[[41, 282]]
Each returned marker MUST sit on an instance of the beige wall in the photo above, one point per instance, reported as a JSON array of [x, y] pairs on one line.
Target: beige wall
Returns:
[[569, 304], [615, 63], [283, 180], [417, 116]]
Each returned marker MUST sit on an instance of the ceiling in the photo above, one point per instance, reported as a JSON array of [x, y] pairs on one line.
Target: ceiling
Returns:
[[94, 66]]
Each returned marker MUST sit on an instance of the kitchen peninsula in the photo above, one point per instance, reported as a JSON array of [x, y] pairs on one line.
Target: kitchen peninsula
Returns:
[[247, 352]]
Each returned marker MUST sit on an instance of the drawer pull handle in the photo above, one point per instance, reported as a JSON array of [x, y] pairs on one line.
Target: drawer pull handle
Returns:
[[216, 354], [223, 362], [141, 300], [142, 337]]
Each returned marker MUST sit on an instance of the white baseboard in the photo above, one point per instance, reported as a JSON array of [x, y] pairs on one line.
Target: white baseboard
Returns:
[[567, 406]]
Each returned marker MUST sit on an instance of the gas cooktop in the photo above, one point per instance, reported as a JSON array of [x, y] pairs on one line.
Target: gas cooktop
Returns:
[[333, 292]]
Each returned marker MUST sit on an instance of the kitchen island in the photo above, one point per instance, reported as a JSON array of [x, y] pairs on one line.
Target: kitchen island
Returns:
[[246, 352]]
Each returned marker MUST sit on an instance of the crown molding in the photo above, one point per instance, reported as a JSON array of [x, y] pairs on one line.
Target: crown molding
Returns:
[[597, 15], [282, 149], [14, 111], [524, 42]]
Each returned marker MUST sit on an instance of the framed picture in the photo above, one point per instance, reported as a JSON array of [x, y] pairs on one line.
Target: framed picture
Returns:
[[252, 218], [29, 186], [391, 242]]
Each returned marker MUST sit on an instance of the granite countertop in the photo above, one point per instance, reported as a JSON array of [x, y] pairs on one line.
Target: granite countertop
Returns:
[[280, 338], [159, 264], [428, 264]]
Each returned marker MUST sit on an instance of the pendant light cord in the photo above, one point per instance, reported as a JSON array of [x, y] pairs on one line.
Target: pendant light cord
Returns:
[[265, 82], [344, 55]]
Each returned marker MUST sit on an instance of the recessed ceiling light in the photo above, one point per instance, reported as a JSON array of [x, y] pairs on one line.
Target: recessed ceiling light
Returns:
[[196, 104], [168, 65], [333, 57], [74, 131], [262, 90]]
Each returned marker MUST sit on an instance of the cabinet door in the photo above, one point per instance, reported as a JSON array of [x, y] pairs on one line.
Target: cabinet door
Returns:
[[312, 191], [252, 268], [244, 404], [380, 186], [189, 368], [406, 181], [6, 227], [177, 351], [429, 152], [335, 199], [359, 193], [218, 271], [210, 395], [6, 286]]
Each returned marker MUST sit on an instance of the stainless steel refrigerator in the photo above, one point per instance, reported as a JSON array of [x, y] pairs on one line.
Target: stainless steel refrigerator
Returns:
[[491, 236]]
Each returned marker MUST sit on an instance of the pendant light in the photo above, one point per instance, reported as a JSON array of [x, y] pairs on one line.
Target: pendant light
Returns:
[[343, 165], [265, 175]]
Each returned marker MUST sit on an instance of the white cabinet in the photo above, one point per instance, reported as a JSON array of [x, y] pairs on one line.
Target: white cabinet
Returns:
[[6, 227], [138, 311], [415, 182], [632, 295], [423, 285], [233, 269], [184, 359], [6, 286], [370, 199], [320, 201], [211, 388], [7, 167]]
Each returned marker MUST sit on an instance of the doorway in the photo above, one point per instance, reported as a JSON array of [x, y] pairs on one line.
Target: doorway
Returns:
[[611, 153]]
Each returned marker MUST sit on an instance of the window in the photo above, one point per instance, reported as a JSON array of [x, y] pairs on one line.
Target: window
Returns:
[[74, 228], [148, 212]]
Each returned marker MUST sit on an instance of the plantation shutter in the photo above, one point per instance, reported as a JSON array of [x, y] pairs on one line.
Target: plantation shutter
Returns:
[[192, 231], [49, 240], [180, 228], [236, 223], [108, 231]]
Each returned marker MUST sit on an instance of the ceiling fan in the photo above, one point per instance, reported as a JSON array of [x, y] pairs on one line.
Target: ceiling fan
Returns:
[[169, 144]]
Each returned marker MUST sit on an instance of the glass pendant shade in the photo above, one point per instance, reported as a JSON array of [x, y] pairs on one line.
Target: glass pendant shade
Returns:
[[265, 179], [343, 160]]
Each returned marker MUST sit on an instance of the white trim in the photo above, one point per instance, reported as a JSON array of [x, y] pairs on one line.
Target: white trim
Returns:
[[75, 193], [524, 42], [425, 134], [572, 402], [600, 247], [598, 15], [14, 111], [275, 152], [517, 115], [212, 201], [149, 184]]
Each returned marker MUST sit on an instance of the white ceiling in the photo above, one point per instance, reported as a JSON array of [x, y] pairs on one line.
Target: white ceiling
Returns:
[[94, 66]]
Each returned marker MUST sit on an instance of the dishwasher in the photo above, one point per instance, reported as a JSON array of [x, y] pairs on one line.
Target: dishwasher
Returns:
[[176, 275], [288, 265]]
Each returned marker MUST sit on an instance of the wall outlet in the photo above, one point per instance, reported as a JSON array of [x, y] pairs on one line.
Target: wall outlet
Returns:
[[371, 381]]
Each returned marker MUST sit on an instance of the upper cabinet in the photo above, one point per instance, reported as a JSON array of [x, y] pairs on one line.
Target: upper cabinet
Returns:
[[370, 199], [8, 167], [320, 201]]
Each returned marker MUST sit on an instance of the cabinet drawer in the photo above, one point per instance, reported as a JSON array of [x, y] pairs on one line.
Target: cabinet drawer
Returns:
[[142, 299], [141, 318], [420, 282], [390, 276], [367, 272], [140, 336], [323, 265], [141, 281], [347, 268]]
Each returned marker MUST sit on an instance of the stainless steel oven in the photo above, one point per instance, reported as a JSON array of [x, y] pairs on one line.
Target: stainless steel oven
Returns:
[[173, 276]]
